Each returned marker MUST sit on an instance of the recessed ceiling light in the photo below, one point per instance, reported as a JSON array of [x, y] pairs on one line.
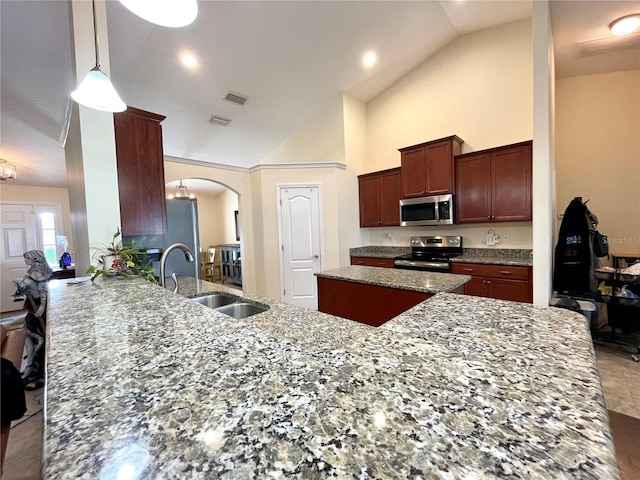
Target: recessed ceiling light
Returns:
[[369, 59], [189, 60], [626, 25]]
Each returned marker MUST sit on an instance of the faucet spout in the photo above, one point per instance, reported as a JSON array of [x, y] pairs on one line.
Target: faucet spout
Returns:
[[188, 255]]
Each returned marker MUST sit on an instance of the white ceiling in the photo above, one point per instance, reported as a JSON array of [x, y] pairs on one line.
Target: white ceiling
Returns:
[[290, 59]]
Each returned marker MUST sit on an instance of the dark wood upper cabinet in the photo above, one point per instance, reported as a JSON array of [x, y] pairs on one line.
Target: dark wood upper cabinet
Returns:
[[141, 184], [428, 168], [379, 194], [494, 185]]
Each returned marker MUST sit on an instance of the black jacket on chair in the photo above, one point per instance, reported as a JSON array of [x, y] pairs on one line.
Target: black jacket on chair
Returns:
[[575, 261]]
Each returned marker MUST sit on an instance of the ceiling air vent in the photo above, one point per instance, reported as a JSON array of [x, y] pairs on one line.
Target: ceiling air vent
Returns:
[[219, 121], [232, 97]]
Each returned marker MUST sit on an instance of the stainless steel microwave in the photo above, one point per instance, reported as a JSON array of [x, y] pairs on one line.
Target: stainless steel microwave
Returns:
[[430, 210]]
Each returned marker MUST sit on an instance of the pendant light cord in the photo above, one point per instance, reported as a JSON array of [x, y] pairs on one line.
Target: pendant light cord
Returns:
[[95, 33]]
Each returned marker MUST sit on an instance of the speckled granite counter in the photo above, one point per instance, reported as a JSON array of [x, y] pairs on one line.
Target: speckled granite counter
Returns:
[[143, 383], [424, 282], [496, 256], [490, 256], [379, 252]]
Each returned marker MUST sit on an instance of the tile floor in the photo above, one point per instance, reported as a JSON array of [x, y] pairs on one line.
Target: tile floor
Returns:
[[619, 374]]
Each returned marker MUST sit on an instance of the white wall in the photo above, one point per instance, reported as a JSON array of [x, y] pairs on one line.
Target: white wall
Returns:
[[321, 140], [543, 185]]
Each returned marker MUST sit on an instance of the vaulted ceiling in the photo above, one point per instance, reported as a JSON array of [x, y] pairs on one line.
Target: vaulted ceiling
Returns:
[[289, 59]]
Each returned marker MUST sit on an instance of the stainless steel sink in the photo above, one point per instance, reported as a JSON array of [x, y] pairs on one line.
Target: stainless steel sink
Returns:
[[241, 310], [215, 300]]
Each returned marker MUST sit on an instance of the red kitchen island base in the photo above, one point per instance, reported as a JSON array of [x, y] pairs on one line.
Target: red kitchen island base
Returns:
[[370, 304]]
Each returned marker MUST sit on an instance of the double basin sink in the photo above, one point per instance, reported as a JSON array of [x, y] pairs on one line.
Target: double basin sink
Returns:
[[229, 305]]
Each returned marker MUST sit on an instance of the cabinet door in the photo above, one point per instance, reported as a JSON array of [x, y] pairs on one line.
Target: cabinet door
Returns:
[[414, 172], [511, 178], [138, 136], [515, 290], [390, 194], [369, 200], [473, 188], [477, 287], [439, 168]]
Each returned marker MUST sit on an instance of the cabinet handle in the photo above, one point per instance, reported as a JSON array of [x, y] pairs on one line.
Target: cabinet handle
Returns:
[[505, 272], [489, 217], [468, 269]]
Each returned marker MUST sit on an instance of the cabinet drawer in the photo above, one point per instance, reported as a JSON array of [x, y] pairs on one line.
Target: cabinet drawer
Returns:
[[493, 271], [373, 262]]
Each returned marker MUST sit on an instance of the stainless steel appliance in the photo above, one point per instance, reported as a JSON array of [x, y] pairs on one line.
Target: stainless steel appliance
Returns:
[[182, 227], [431, 254], [430, 210]]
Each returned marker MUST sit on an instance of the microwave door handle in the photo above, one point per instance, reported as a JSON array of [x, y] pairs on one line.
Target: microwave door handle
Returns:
[[437, 211]]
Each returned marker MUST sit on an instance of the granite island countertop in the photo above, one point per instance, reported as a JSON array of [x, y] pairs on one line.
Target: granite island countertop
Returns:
[[148, 383], [417, 281]]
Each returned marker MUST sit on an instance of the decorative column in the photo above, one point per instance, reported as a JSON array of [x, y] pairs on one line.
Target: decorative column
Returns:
[[90, 150]]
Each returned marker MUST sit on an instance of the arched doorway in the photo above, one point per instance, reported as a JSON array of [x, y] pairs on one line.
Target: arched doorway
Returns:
[[219, 227]]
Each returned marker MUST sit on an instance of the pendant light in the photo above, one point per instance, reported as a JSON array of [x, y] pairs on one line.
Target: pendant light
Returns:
[[96, 90], [167, 13], [182, 192]]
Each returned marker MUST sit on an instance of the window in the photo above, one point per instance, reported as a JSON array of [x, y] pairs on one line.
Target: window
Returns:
[[48, 231], [48, 220]]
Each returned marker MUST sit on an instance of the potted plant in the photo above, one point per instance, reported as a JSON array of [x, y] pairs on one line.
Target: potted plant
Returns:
[[121, 260]]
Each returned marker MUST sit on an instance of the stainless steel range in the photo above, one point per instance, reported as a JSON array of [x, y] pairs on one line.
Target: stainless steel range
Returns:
[[431, 254]]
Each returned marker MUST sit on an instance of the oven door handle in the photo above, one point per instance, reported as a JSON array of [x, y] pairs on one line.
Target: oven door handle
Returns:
[[409, 263]]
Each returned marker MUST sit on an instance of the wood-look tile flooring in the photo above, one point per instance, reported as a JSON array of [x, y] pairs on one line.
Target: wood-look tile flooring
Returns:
[[619, 374]]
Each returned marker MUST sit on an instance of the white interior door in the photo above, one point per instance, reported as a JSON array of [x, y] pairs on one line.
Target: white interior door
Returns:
[[300, 238], [18, 228]]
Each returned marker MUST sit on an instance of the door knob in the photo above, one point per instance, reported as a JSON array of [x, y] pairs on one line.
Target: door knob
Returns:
[[315, 257]]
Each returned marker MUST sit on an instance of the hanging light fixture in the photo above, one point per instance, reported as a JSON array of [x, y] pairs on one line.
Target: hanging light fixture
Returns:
[[182, 192], [7, 171], [626, 25], [96, 90], [167, 13]]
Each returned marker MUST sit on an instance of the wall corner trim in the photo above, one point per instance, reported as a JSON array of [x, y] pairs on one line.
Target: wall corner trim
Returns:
[[282, 166], [255, 168]]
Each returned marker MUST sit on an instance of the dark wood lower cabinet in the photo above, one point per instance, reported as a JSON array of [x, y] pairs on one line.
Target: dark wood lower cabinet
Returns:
[[373, 262], [497, 281], [370, 304]]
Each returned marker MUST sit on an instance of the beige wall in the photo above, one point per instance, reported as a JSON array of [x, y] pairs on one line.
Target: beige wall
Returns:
[[598, 152], [26, 194], [267, 216], [478, 87], [216, 219]]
